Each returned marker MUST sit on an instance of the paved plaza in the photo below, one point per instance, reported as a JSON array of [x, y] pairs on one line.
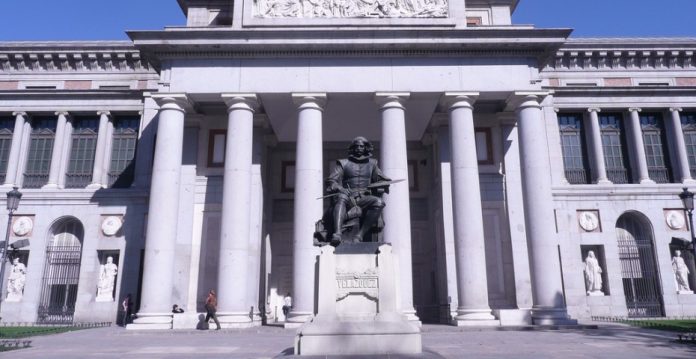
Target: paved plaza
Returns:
[[609, 341]]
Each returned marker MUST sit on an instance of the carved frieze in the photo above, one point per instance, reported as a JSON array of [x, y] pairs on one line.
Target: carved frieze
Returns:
[[567, 59], [21, 62], [350, 8]]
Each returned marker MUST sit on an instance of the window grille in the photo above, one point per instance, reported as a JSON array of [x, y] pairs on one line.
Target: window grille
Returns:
[[573, 147], [656, 154], [38, 165], [82, 152], [125, 139], [614, 146], [6, 130], [688, 121]]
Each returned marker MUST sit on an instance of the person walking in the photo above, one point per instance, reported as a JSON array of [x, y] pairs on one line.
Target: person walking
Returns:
[[126, 305], [211, 308]]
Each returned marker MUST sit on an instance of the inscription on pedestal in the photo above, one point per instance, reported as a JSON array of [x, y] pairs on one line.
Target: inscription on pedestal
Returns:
[[366, 283]]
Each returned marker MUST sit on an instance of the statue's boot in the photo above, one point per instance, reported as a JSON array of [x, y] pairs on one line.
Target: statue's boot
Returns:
[[371, 218], [339, 215]]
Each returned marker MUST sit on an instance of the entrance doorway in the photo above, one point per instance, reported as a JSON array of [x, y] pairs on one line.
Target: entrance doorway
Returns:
[[61, 273], [638, 266]]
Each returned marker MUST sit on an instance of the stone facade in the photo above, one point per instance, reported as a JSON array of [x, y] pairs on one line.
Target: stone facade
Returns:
[[241, 115]]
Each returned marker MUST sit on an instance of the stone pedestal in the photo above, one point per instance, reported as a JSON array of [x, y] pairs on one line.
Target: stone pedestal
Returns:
[[357, 306]]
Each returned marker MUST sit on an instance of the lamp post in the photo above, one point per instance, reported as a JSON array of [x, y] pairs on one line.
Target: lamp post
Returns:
[[687, 198], [13, 198]]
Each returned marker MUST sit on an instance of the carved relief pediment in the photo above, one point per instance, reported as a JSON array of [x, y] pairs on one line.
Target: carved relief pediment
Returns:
[[350, 8]]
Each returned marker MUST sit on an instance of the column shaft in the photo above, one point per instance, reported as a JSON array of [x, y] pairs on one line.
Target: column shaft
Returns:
[[99, 160], [547, 289], [15, 149], [308, 187], [638, 147], [469, 236], [397, 213], [597, 148], [160, 242], [233, 305], [680, 145], [57, 154]]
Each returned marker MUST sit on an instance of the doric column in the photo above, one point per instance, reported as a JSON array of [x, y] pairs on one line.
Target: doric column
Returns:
[[397, 213], [99, 156], [638, 146], [597, 148], [57, 154], [547, 289], [233, 305], [160, 241], [678, 133], [308, 187], [469, 240], [15, 149]]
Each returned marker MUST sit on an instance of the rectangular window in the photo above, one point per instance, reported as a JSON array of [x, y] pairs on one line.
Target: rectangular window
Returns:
[[216, 148], [43, 133], [688, 121], [82, 151], [484, 146], [614, 145], [573, 147], [6, 130], [656, 153], [125, 140]]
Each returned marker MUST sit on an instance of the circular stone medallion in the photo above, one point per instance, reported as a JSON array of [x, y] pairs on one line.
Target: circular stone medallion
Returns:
[[675, 219], [22, 226], [111, 225], [589, 221]]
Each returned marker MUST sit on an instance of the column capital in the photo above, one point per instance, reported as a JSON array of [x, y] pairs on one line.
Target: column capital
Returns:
[[62, 113], [594, 109], [173, 101], [634, 109], [391, 99], [453, 100], [524, 99], [19, 113], [316, 100], [104, 113], [240, 101], [675, 109]]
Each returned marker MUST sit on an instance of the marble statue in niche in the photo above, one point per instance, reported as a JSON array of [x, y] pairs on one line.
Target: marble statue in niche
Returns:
[[593, 275], [107, 279], [16, 281], [681, 272], [350, 8]]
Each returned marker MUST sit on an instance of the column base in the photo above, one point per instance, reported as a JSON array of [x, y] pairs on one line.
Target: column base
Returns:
[[685, 292], [647, 181], [412, 318], [597, 293], [551, 316], [297, 319], [235, 320], [50, 186], [604, 182], [96, 186], [689, 180], [474, 318], [151, 321]]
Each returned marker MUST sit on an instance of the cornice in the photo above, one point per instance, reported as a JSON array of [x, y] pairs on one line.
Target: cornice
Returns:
[[621, 91], [619, 59], [73, 57]]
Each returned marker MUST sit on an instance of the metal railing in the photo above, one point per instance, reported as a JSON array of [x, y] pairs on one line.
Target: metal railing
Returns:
[[618, 175], [659, 175], [34, 180], [77, 180], [577, 176]]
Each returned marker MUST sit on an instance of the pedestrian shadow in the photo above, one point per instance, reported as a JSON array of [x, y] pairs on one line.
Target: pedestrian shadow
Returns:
[[202, 323]]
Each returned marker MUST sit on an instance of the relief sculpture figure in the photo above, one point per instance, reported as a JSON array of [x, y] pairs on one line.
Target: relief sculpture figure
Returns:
[[16, 281]]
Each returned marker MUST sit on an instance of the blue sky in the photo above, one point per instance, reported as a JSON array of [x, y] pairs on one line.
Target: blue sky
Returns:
[[108, 19]]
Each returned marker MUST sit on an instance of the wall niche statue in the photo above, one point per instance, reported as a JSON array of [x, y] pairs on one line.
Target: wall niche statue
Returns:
[[681, 273], [107, 279], [16, 281]]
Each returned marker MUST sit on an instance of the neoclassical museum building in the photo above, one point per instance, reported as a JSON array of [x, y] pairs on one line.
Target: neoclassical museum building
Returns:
[[542, 172]]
